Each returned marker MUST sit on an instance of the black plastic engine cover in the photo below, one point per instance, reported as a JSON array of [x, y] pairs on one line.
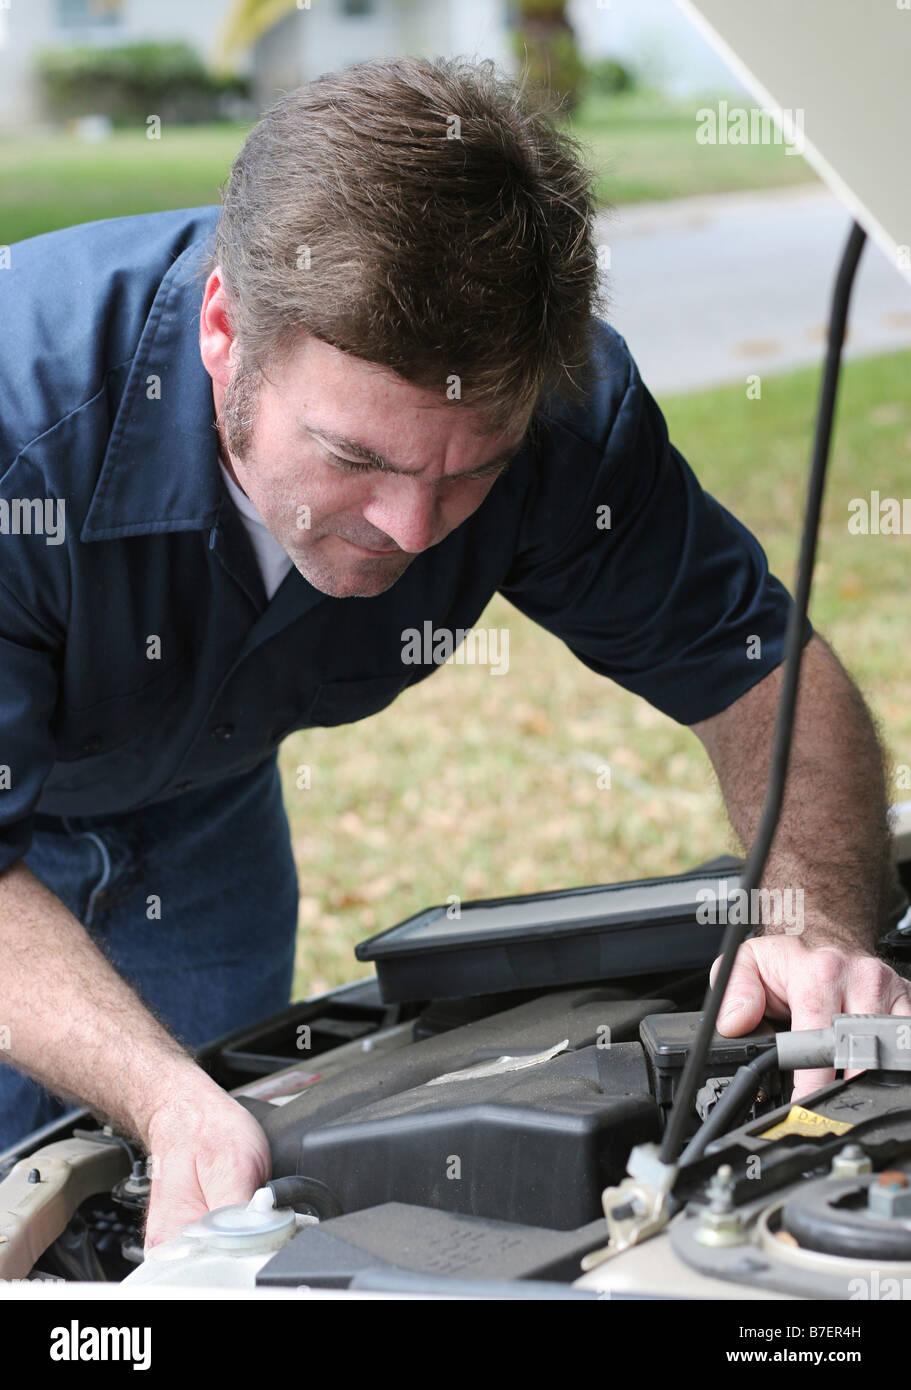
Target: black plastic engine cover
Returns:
[[336, 1253], [585, 1016], [536, 1146]]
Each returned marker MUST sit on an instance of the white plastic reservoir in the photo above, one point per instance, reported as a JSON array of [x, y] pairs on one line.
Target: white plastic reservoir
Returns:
[[223, 1249]]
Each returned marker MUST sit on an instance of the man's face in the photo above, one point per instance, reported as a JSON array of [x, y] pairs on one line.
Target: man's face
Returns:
[[330, 507]]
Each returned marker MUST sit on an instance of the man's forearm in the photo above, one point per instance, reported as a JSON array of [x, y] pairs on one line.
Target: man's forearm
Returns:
[[832, 842], [73, 1023]]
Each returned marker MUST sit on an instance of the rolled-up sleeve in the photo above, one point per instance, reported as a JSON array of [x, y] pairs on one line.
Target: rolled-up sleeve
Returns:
[[647, 578], [28, 697]]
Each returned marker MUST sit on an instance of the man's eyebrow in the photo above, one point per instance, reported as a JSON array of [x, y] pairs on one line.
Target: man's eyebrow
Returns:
[[361, 451]]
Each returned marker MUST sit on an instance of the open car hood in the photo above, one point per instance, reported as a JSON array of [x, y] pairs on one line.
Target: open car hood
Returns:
[[838, 70]]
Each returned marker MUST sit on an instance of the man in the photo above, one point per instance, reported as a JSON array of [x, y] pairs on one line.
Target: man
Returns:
[[240, 457]]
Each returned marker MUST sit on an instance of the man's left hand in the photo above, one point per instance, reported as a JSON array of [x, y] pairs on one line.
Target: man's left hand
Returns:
[[779, 976]]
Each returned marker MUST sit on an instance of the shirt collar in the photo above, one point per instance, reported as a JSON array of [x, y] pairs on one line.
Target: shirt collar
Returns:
[[160, 469]]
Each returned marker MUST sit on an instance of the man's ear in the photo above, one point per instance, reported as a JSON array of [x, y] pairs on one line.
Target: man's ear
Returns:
[[217, 344]]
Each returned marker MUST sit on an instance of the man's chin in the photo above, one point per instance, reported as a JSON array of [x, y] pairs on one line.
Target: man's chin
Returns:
[[361, 581]]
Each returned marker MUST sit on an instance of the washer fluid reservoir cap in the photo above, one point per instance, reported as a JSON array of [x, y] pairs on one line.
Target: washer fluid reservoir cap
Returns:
[[246, 1225]]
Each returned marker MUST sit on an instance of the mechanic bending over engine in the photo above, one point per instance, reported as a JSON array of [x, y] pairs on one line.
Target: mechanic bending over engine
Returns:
[[370, 391]]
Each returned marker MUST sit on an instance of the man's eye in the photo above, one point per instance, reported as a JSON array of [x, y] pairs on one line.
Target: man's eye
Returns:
[[367, 466], [349, 465]]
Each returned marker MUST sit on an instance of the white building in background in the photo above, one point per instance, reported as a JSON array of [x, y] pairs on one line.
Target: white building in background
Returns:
[[27, 26], [322, 35], [333, 33], [311, 39]]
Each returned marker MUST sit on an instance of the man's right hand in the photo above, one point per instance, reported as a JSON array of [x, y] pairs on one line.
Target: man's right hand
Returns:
[[206, 1151], [78, 1028]]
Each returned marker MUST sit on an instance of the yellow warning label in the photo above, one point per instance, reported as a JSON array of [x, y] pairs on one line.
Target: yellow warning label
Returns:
[[806, 1123]]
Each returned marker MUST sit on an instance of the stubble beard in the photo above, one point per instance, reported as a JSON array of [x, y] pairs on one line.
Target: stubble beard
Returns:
[[236, 425], [239, 410]]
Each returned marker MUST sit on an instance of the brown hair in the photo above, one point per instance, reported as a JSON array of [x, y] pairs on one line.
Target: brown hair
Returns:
[[425, 215]]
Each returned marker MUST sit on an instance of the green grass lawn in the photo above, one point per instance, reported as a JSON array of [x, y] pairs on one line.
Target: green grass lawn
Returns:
[[51, 181], [480, 786], [645, 146]]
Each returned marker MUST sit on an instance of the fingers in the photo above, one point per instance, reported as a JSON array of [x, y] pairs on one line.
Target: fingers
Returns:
[[873, 988], [217, 1157], [190, 1186], [816, 993], [779, 976], [233, 1177], [806, 1082], [828, 980], [867, 992], [744, 1000], [175, 1199]]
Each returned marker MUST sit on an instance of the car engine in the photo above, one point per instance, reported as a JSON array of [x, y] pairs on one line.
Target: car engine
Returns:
[[506, 1138]]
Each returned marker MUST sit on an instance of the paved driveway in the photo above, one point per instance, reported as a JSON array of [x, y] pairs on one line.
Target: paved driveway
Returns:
[[710, 289]]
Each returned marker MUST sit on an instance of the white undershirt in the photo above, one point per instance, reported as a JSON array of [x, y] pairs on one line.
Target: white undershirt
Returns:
[[273, 563]]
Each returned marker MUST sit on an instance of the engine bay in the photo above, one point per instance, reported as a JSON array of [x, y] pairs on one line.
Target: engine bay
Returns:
[[487, 1140]]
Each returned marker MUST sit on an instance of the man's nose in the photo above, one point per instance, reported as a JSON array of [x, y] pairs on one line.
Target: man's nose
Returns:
[[408, 514]]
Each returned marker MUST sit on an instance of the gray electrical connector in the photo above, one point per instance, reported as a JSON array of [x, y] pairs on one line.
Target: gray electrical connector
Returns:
[[881, 1041]]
